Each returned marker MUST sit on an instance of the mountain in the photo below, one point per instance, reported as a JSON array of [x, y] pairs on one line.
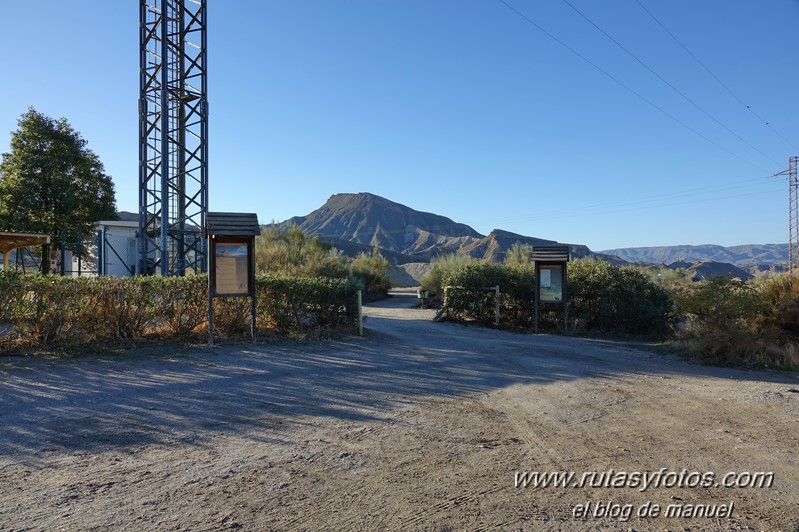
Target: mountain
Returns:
[[745, 256], [354, 222], [701, 271], [372, 220], [127, 216]]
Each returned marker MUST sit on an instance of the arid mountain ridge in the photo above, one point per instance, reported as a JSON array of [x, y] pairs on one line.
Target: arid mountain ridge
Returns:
[[357, 222], [742, 256]]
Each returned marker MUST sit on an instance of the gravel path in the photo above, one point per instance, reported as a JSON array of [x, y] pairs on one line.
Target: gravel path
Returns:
[[416, 426]]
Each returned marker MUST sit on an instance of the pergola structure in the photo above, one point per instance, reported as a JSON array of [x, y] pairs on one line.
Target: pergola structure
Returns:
[[11, 241]]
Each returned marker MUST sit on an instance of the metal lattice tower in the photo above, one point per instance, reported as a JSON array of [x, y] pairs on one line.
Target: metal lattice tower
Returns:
[[793, 217], [173, 137]]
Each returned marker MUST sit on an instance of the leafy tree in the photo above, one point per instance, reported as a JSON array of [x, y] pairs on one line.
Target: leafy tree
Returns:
[[51, 182]]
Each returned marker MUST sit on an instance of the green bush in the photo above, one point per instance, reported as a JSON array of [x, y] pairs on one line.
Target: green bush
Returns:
[[45, 312], [440, 267], [115, 307], [292, 252], [470, 294], [288, 303], [370, 274], [49, 313], [186, 307], [603, 299], [12, 291], [611, 300], [722, 304]]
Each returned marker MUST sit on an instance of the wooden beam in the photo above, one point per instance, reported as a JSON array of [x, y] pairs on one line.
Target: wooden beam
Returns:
[[11, 241]]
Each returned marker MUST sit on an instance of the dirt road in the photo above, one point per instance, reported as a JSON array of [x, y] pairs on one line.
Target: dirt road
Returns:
[[416, 426]]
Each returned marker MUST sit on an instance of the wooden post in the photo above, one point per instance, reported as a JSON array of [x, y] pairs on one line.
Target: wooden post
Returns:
[[210, 320], [496, 290], [5, 261], [537, 297], [253, 286], [254, 325], [565, 302], [210, 266], [360, 313]]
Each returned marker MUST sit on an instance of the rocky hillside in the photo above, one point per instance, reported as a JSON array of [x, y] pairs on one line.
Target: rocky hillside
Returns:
[[745, 256], [372, 220], [355, 222], [701, 271]]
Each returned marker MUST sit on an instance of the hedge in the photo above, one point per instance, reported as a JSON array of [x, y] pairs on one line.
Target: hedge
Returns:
[[469, 295], [44, 312], [603, 299]]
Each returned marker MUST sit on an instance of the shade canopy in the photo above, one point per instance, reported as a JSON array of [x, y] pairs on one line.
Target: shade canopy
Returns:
[[553, 253], [231, 224], [11, 241]]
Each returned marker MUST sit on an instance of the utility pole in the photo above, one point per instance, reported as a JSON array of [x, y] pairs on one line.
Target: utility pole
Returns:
[[793, 215], [173, 137]]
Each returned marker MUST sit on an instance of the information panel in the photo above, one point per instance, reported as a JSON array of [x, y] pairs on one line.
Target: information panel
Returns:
[[232, 271], [551, 279]]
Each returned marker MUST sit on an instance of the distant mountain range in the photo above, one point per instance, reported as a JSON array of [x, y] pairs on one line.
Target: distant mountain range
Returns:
[[742, 256], [357, 222]]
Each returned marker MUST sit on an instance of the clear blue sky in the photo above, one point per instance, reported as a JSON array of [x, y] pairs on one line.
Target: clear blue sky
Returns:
[[463, 108]]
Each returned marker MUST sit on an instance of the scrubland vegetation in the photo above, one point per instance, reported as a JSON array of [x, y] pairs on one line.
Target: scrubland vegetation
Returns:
[[303, 287], [721, 321], [294, 253], [41, 312], [307, 286]]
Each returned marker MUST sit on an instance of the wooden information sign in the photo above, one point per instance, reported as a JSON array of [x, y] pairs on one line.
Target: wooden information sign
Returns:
[[231, 260]]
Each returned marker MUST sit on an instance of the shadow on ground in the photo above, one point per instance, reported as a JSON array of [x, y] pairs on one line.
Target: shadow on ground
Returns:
[[123, 402]]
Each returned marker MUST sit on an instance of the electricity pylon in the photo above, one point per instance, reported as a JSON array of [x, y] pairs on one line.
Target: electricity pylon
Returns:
[[793, 215], [173, 137]]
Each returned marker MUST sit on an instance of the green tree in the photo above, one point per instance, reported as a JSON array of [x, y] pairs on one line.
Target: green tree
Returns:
[[51, 182]]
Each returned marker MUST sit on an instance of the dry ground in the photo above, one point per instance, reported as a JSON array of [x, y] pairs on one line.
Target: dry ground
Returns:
[[416, 426]]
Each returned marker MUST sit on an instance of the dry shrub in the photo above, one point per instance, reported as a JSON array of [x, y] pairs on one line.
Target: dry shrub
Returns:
[[45, 312], [183, 304], [232, 317], [735, 323]]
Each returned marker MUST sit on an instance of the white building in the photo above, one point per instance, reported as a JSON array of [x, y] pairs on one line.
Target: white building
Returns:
[[113, 251]]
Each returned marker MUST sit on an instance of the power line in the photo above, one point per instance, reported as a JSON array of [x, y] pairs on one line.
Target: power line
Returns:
[[692, 195], [615, 210], [661, 78], [630, 89], [714, 76]]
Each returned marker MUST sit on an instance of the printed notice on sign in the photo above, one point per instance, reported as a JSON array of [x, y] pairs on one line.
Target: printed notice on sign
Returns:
[[551, 283], [231, 269]]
